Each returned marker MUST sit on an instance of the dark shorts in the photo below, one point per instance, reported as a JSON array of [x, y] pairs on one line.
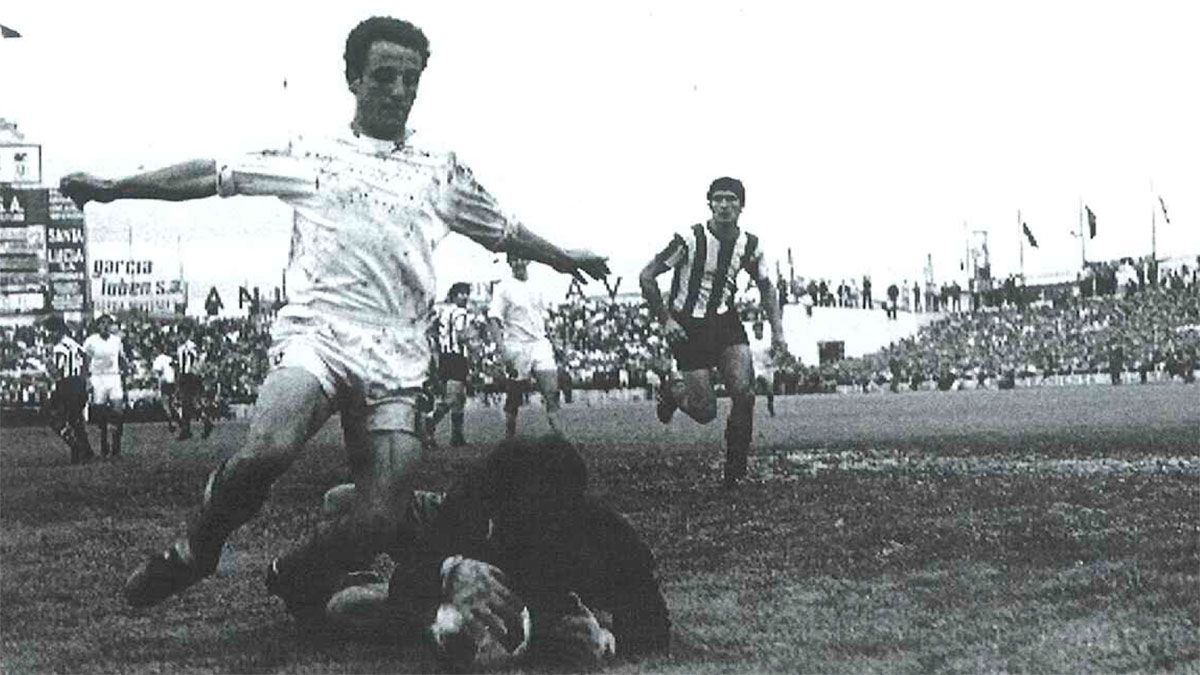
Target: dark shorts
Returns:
[[706, 339], [452, 367], [166, 388], [69, 397], [190, 386]]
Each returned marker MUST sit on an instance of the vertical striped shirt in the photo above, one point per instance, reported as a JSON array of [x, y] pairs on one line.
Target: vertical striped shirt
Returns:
[[188, 358], [706, 269], [68, 357], [452, 323]]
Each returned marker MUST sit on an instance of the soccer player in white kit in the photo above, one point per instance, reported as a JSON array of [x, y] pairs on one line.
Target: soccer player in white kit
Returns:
[[517, 323], [163, 368], [370, 206], [106, 368], [761, 351]]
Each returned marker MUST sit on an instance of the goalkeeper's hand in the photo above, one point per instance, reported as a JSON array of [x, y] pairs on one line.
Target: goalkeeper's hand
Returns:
[[480, 621], [573, 639]]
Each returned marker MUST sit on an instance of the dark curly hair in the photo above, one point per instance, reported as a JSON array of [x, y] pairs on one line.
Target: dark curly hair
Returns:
[[384, 28]]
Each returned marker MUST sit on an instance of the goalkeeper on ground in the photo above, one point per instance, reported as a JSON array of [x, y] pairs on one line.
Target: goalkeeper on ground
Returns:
[[515, 561]]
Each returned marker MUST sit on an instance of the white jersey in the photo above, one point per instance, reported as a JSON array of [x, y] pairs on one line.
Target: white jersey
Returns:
[[520, 309], [163, 369], [368, 214], [760, 354], [103, 354]]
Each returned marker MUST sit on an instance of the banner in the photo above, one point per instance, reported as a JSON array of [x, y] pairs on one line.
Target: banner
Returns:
[[133, 285]]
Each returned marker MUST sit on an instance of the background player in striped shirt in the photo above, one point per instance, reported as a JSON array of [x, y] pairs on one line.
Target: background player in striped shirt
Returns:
[[370, 206], [69, 398], [701, 322], [106, 367], [517, 323], [452, 330], [193, 402]]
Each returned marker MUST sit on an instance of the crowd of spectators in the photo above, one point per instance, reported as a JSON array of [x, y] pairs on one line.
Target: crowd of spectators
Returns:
[[1111, 320]]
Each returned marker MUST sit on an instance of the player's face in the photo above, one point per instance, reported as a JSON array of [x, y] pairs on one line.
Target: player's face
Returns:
[[385, 93], [460, 299], [758, 331], [725, 206], [520, 268], [104, 327]]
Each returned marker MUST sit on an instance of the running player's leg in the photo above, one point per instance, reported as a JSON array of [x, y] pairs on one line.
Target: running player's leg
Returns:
[[291, 407], [100, 407], [737, 371], [514, 395], [456, 391], [547, 384], [118, 420], [383, 448], [693, 392], [187, 406]]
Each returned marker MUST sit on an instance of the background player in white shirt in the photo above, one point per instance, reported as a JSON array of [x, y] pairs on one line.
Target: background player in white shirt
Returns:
[[761, 350], [106, 366], [163, 367], [70, 397], [369, 209], [517, 323]]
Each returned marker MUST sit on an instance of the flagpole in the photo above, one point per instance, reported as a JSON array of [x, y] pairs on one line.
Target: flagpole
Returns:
[[1082, 237], [1021, 244]]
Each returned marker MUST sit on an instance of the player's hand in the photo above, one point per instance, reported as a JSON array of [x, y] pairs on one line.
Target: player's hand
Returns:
[[477, 610], [673, 331], [82, 188], [582, 260], [574, 639]]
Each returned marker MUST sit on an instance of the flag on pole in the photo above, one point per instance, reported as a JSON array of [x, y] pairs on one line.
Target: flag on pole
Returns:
[[1164, 208], [7, 32], [1091, 217], [1029, 235]]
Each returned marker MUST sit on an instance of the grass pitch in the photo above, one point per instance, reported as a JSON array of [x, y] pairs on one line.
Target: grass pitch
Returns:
[[1049, 530]]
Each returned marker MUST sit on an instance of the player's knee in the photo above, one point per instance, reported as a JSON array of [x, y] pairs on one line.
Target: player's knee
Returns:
[[704, 412], [338, 500]]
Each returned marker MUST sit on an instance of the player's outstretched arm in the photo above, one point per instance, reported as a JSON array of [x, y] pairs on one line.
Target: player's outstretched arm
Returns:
[[576, 262], [193, 179]]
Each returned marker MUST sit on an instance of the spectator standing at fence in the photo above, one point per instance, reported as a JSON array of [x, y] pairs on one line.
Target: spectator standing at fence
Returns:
[[163, 367], [701, 322], [893, 293], [193, 399], [106, 366], [517, 323], [867, 303], [69, 398]]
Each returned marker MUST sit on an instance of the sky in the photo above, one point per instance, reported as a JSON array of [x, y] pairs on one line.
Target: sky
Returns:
[[872, 137]]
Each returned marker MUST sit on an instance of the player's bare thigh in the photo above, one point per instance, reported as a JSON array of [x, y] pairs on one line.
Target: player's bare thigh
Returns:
[[737, 370], [698, 401], [291, 407]]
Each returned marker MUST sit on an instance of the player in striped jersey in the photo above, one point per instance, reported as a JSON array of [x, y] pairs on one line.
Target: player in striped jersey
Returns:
[[70, 396], [701, 323], [192, 402], [453, 328], [106, 366]]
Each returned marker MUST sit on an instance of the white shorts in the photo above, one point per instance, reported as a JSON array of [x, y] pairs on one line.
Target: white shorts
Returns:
[[358, 363], [526, 358], [107, 390]]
